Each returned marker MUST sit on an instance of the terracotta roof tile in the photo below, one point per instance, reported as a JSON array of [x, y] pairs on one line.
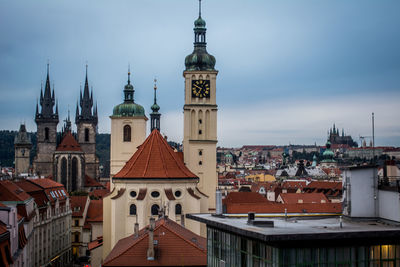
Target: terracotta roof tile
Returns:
[[293, 198], [324, 185], [280, 208], [176, 246], [90, 182], [9, 191], [99, 193], [95, 243], [95, 211], [45, 183], [244, 197], [155, 159], [294, 184], [69, 143], [78, 204]]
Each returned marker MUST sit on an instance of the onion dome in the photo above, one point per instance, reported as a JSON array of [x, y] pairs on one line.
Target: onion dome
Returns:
[[328, 153], [128, 108], [200, 59]]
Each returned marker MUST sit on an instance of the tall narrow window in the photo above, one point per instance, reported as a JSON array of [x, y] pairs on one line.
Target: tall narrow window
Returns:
[[74, 174], [127, 133], [86, 135], [178, 209], [132, 209], [46, 133], [64, 172], [154, 209]]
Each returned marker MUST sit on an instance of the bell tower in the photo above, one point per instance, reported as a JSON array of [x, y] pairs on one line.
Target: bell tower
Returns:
[[46, 120], [200, 113], [86, 124]]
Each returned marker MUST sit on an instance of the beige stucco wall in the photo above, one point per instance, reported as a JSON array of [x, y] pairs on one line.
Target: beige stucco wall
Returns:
[[201, 147], [120, 151], [120, 223], [96, 256]]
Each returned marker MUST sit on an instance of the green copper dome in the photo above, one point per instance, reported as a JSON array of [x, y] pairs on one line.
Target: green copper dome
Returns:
[[328, 153], [129, 109], [200, 59], [199, 23]]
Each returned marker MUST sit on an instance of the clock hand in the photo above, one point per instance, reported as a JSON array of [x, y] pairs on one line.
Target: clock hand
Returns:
[[197, 86]]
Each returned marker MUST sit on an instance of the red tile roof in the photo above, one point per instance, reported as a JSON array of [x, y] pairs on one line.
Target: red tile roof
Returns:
[[45, 183], [280, 208], [176, 246], [293, 198], [69, 143], [78, 204], [99, 193], [325, 185], [244, 197], [95, 211], [9, 191], [155, 159], [90, 182], [95, 243], [294, 184]]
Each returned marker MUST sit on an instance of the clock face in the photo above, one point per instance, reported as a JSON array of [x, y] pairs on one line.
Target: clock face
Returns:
[[201, 88]]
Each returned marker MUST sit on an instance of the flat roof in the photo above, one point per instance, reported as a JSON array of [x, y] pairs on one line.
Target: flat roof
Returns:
[[312, 230]]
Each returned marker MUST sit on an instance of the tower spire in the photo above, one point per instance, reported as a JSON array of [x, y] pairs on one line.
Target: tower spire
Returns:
[[86, 102], [47, 98], [155, 115], [128, 89], [200, 59], [199, 8]]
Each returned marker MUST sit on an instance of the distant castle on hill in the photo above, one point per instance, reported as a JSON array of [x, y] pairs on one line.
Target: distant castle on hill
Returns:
[[336, 139]]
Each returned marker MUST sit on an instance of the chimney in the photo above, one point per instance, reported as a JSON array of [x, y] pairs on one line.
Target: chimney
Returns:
[[183, 220], [136, 230], [218, 202], [150, 250]]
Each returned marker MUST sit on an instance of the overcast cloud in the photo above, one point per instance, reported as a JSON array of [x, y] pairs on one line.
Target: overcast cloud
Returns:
[[287, 69]]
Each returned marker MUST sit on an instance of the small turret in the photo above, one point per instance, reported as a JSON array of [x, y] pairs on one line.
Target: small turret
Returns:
[[155, 115], [200, 59]]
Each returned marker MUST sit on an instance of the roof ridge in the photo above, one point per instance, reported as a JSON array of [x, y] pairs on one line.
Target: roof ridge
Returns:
[[148, 156], [134, 243], [190, 242], [162, 158], [173, 154], [139, 152]]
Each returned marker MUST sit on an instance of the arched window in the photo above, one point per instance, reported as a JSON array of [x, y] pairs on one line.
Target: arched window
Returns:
[[86, 135], [154, 209], [127, 133], [74, 174], [178, 209], [64, 172], [46, 133], [132, 209]]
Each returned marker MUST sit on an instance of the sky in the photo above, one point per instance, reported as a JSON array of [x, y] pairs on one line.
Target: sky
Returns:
[[287, 69]]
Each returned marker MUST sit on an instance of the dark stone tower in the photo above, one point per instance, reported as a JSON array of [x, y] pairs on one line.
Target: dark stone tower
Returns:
[[155, 115], [86, 123], [46, 121], [22, 148]]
